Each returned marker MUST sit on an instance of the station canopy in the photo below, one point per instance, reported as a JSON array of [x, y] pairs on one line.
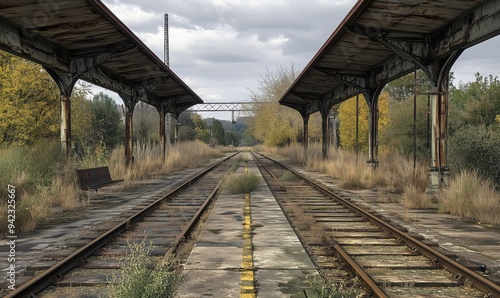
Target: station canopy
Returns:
[[83, 37], [381, 40]]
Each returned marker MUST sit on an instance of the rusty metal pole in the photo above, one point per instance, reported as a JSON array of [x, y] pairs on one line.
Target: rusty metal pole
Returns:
[[162, 130], [324, 131], [305, 119], [371, 97], [129, 144], [373, 134], [357, 127], [439, 171], [176, 129], [415, 119], [65, 81], [66, 125], [130, 102]]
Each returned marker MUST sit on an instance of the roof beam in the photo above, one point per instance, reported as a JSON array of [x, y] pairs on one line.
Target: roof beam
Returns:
[[476, 26], [32, 48], [356, 81]]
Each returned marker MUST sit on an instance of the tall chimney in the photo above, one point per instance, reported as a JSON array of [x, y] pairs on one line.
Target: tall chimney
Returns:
[[166, 58]]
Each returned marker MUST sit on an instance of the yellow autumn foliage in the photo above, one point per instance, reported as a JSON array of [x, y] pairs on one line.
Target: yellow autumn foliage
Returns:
[[347, 119], [29, 102]]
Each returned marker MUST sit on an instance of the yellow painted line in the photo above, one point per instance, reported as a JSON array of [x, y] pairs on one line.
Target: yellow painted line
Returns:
[[247, 289]]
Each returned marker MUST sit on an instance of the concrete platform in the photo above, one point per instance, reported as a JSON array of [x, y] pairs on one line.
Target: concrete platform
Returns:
[[280, 264]]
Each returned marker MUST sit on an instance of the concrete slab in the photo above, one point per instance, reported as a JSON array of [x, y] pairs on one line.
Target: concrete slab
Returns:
[[210, 283], [281, 257], [214, 258], [283, 283]]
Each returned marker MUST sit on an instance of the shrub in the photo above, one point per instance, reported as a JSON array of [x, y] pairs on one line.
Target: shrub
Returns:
[[137, 279], [476, 148], [243, 183], [289, 177]]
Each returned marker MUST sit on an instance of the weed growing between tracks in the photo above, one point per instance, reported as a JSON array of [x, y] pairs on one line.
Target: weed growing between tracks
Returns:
[[324, 289], [137, 279], [242, 183]]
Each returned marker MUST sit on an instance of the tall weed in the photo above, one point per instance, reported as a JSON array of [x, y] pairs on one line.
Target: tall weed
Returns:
[[137, 279], [471, 196]]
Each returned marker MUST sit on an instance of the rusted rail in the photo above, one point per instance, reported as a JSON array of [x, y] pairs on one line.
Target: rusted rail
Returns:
[[46, 278], [466, 275]]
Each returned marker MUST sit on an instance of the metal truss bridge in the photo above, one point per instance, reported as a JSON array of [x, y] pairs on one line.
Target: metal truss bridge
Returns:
[[223, 106]]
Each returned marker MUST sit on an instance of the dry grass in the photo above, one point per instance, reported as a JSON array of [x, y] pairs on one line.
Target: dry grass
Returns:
[[148, 160], [414, 198], [471, 196], [44, 187], [395, 174]]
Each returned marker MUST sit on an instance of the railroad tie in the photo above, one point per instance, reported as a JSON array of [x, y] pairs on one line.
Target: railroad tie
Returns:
[[247, 273]]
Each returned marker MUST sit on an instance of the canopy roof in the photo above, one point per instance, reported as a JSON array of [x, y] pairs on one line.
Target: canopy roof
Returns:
[[84, 38], [381, 40]]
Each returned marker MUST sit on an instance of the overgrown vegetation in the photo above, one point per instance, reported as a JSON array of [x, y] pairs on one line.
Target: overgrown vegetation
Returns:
[[469, 194], [140, 277], [45, 185], [241, 183], [324, 289], [42, 183]]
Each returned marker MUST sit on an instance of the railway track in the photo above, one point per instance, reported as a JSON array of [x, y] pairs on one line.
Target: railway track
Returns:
[[164, 225], [385, 258]]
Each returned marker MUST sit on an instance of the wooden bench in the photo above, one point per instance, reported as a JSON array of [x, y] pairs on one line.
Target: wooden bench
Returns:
[[95, 178]]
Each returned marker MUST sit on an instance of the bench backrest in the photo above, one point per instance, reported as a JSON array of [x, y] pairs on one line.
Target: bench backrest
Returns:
[[88, 178]]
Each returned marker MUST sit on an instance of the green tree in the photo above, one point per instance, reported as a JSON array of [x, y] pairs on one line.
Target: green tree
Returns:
[[218, 133], [232, 138], [186, 126], [403, 88], [398, 136], [82, 119], [107, 124], [475, 103], [29, 102], [474, 142], [146, 123]]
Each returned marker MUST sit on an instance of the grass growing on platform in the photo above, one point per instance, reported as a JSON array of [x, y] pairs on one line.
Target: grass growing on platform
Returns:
[[137, 279], [471, 196], [241, 183], [44, 185]]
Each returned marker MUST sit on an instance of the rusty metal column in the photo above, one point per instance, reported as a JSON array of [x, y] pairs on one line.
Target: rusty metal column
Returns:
[[439, 171], [65, 81], [371, 97], [66, 124], [130, 102], [356, 145], [305, 119], [161, 114], [438, 73], [176, 129], [324, 110]]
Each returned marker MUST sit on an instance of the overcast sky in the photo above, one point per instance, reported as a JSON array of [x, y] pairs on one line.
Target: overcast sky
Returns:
[[220, 47]]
